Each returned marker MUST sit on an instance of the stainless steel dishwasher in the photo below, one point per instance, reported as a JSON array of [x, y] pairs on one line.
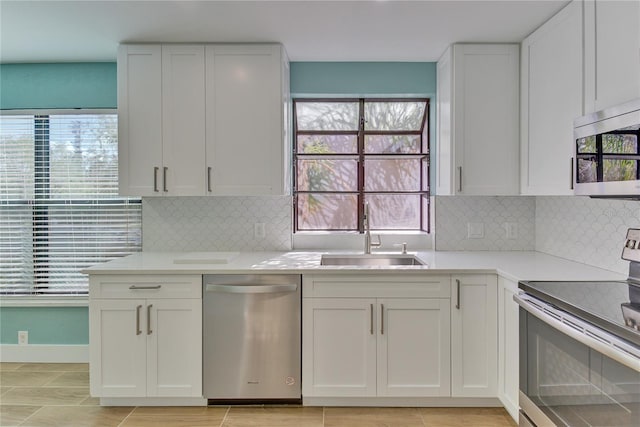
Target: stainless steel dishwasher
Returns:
[[251, 335]]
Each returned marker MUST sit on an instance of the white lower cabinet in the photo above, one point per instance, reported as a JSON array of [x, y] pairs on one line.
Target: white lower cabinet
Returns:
[[508, 345], [393, 345], [145, 341], [474, 327]]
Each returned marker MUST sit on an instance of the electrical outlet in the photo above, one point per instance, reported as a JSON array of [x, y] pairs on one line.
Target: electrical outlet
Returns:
[[475, 230], [23, 337], [511, 229], [259, 230]]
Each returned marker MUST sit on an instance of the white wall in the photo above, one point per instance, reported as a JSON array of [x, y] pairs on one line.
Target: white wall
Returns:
[[590, 231], [215, 223], [454, 213]]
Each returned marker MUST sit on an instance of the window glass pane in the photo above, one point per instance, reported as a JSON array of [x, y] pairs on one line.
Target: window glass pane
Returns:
[[627, 144], [620, 170], [329, 116], [84, 156], [387, 144], [587, 170], [392, 174], [327, 144], [16, 157], [587, 145], [394, 115], [394, 211], [327, 175], [327, 212]]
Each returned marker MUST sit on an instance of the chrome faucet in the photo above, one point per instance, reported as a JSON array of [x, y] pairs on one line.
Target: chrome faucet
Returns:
[[368, 244]]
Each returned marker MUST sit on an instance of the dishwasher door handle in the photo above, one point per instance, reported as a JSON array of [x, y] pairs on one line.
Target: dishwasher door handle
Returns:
[[250, 289]]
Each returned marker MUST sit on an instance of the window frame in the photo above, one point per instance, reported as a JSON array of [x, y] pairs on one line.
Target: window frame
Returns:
[[425, 144], [40, 291]]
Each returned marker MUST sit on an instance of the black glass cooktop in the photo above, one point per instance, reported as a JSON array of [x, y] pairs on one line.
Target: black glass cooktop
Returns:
[[599, 303]]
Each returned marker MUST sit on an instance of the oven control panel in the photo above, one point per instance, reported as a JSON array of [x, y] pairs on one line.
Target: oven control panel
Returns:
[[631, 250]]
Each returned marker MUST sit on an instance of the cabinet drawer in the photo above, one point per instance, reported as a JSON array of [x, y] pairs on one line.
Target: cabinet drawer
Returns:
[[146, 286], [374, 286]]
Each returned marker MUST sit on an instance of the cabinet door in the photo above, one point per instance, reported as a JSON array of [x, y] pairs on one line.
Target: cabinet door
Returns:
[[551, 98], [139, 119], [339, 347], [445, 179], [486, 116], [118, 348], [244, 108], [413, 347], [183, 120], [474, 336], [173, 329], [508, 332], [612, 49]]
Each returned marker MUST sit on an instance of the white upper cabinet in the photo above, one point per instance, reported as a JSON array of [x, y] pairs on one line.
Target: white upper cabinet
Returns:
[[612, 53], [183, 120], [478, 120], [203, 119], [139, 119], [245, 109], [551, 97]]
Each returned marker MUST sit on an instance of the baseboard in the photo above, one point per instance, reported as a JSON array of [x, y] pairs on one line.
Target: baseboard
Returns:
[[402, 401], [40, 353]]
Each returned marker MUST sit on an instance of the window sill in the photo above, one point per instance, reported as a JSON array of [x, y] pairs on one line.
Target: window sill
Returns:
[[416, 240], [44, 301]]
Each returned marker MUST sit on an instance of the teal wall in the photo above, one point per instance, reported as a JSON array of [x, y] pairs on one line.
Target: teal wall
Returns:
[[46, 325], [63, 85], [363, 78]]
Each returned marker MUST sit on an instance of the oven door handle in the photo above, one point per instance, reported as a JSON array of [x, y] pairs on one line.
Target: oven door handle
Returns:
[[608, 350]]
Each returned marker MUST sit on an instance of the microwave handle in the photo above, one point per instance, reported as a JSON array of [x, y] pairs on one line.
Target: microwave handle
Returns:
[[571, 169]]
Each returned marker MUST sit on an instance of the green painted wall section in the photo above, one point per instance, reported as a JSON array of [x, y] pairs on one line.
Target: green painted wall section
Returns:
[[46, 325], [363, 78], [63, 85]]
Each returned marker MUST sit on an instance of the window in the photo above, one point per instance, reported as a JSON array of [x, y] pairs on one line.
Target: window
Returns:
[[59, 206], [349, 152]]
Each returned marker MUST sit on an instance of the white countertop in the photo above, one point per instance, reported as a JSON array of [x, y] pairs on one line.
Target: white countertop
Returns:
[[516, 265]]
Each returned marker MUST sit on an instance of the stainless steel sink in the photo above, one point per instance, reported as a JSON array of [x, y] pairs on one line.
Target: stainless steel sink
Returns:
[[375, 259]]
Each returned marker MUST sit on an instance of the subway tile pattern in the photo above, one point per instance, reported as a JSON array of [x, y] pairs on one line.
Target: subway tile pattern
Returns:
[[590, 231], [453, 213], [171, 224]]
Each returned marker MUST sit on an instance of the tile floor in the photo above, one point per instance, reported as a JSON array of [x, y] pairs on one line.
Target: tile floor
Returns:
[[38, 394]]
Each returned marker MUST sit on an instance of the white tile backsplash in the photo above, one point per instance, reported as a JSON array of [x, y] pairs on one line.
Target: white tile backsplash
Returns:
[[458, 217], [590, 231], [216, 223]]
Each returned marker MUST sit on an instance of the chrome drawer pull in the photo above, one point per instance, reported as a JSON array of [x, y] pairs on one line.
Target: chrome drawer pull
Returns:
[[142, 288]]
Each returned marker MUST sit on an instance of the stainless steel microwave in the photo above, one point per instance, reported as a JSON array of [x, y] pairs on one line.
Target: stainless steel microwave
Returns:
[[607, 152]]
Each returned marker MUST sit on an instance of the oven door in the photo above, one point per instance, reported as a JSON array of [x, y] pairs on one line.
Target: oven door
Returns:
[[566, 382]]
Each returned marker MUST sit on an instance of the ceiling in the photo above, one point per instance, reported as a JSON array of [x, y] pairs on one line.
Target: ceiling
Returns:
[[313, 30]]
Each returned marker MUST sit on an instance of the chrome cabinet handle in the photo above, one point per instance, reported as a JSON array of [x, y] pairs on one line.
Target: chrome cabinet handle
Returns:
[[371, 320], [164, 179], [138, 331], [138, 288], [155, 179], [571, 186], [149, 319], [381, 319], [209, 179], [460, 179], [458, 294]]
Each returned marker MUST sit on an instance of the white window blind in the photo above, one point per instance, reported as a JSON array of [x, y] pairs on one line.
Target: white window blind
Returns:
[[59, 206]]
